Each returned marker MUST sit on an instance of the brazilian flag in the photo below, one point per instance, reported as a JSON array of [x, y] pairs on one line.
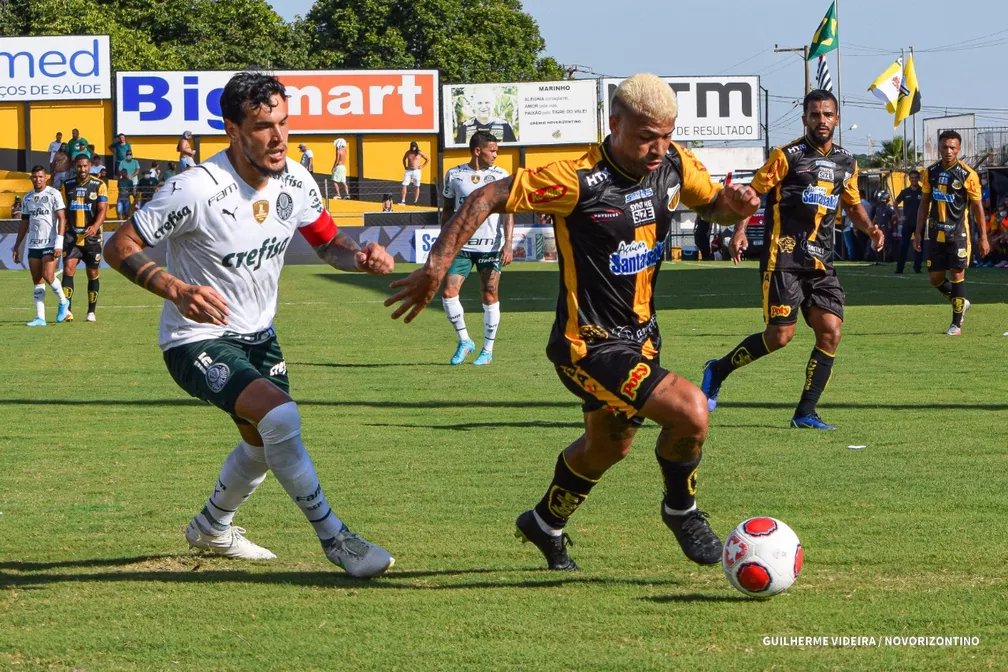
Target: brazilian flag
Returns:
[[825, 39]]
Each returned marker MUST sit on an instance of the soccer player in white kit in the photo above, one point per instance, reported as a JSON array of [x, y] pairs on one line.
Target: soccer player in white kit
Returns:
[[489, 249], [227, 223], [43, 220]]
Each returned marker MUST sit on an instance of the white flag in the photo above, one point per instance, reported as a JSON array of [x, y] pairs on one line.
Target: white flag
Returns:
[[823, 79]]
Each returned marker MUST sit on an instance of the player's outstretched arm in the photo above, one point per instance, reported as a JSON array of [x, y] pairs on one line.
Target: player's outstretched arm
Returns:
[[859, 218], [418, 287], [735, 203], [344, 253], [125, 253]]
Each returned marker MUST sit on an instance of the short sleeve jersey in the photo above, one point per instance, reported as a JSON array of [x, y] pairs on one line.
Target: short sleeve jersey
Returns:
[[82, 199], [805, 189], [951, 190], [463, 180], [222, 233], [910, 199], [610, 231], [39, 209]]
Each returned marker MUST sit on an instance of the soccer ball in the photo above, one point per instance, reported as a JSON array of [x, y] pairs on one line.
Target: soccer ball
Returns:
[[762, 557]]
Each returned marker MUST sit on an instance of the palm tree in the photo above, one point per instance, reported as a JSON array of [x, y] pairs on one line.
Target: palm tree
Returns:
[[890, 157]]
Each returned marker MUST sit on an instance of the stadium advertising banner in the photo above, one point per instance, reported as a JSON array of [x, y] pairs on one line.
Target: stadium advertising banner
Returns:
[[70, 67], [531, 113], [337, 101], [529, 243], [710, 108]]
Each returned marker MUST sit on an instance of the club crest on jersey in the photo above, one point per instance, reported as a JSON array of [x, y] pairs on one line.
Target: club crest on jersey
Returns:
[[474, 178], [816, 195], [673, 197], [956, 184], [260, 210], [632, 258], [284, 206]]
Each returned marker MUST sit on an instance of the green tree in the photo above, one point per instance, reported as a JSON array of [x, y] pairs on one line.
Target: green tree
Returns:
[[489, 41], [167, 34], [890, 156]]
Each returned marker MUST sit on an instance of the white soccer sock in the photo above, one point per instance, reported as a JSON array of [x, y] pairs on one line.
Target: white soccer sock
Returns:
[[491, 320], [456, 315], [39, 295], [286, 456], [244, 469], [57, 289]]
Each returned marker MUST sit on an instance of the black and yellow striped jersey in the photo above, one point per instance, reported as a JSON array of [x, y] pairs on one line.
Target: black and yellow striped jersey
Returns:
[[951, 189], [805, 189], [611, 233], [82, 202]]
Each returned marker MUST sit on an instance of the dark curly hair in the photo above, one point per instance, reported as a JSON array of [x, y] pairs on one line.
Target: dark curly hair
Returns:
[[247, 91]]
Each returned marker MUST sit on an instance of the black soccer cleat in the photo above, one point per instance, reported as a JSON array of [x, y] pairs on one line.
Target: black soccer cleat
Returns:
[[695, 536], [554, 549]]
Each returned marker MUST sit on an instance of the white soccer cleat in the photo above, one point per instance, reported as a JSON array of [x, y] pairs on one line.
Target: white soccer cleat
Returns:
[[953, 330], [231, 543], [91, 317], [356, 555]]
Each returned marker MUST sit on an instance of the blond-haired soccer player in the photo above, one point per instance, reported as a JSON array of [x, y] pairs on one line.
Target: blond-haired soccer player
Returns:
[[612, 210]]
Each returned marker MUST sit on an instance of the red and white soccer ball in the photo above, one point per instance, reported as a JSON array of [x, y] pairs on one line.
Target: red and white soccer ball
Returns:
[[762, 557]]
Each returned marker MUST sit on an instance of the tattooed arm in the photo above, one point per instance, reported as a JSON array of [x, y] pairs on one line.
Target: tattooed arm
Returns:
[[125, 253]]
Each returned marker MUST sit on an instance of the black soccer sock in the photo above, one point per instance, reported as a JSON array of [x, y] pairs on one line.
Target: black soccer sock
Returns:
[[817, 375], [748, 351], [958, 298], [68, 289], [565, 494], [680, 482], [945, 288], [92, 294]]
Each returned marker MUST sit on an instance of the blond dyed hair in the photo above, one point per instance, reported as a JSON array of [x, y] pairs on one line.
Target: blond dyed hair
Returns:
[[646, 95]]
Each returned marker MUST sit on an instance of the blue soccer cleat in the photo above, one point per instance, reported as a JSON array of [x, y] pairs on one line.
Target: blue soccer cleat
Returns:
[[483, 359], [462, 351], [710, 386], [812, 421], [63, 311], [37, 322]]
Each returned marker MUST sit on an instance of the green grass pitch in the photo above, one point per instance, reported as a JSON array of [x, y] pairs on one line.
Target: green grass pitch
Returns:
[[103, 460]]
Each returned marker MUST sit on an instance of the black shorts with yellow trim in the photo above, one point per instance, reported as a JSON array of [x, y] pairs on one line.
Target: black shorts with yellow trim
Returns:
[[947, 256], [616, 376], [87, 249], [787, 292]]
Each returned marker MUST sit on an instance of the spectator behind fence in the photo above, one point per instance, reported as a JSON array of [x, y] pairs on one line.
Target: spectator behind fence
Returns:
[[168, 172], [307, 158], [413, 162], [54, 147], [125, 185], [60, 166], [186, 150], [77, 146], [910, 198], [120, 148], [339, 169], [386, 203]]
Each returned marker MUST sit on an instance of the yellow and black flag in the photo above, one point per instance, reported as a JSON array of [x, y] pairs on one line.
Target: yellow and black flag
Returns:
[[825, 39], [909, 101]]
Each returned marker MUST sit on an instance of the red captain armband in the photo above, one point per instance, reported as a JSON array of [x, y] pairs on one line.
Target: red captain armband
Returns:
[[321, 231]]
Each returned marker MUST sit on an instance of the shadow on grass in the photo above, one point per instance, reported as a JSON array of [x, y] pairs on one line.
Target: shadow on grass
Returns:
[[379, 403], [466, 426], [695, 597], [200, 569]]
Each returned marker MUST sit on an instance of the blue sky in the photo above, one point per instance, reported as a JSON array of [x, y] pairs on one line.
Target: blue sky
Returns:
[[958, 53]]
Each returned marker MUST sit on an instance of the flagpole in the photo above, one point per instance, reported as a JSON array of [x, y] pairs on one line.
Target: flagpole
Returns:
[[836, 16], [913, 120], [904, 121]]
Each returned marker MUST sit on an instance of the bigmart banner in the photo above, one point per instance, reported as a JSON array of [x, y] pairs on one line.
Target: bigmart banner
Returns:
[[67, 67], [338, 101], [710, 108]]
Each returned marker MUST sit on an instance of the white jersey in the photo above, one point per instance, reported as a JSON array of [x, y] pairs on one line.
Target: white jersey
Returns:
[[461, 181], [223, 234], [40, 209]]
